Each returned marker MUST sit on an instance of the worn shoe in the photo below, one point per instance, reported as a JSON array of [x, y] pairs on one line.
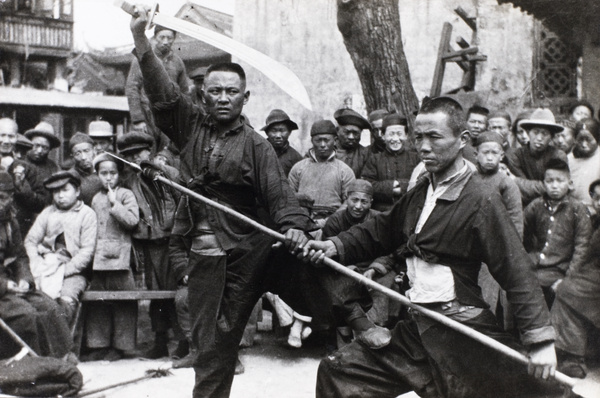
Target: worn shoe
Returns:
[[157, 351], [375, 337], [113, 355], [182, 350], [239, 368], [185, 362], [573, 366]]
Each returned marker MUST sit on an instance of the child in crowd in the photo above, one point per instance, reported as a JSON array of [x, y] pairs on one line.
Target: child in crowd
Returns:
[[557, 230], [68, 229], [111, 326], [576, 310]]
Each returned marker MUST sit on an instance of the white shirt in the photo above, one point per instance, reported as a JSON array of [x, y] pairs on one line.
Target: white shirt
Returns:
[[431, 283]]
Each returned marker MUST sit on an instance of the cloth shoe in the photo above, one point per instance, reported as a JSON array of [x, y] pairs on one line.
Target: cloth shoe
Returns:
[[182, 350], [239, 367], [375, 337], [185, 362]]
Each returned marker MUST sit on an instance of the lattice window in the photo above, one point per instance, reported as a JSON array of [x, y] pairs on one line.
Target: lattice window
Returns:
[[555, 67]]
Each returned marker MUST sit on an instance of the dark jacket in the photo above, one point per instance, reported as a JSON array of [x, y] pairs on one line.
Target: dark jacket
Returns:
[[14, 263], [239, 169], [468, 226], [90, 184], [288, 157], [356, 158], [383, 168], [557, 239]]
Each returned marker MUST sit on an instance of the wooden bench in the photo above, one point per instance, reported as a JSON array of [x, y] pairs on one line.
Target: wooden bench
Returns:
[[92, 295]]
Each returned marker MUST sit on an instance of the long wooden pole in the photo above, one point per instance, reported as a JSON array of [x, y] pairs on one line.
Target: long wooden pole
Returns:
[[459, 327]]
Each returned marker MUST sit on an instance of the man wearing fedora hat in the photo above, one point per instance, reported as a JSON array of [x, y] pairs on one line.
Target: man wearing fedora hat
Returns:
[[278, 128], [527, 162], [101, 133], [43, 140], [348, 148]]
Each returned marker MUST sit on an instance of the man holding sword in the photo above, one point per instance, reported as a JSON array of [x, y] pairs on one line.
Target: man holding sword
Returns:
[[444, 228], [225, 160]]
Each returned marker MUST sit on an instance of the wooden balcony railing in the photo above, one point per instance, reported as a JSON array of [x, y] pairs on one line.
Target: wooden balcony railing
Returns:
[[36, 35]]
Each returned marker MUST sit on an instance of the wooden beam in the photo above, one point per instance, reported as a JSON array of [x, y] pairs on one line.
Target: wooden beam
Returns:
[[470, 21], [92, 295], [462, 43], [460, 53], [440, 65]]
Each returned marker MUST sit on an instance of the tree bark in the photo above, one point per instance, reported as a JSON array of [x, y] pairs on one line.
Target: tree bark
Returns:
[[372, 35]]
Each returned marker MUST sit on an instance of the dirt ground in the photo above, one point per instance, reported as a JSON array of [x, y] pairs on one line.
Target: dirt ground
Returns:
[[272, 370]]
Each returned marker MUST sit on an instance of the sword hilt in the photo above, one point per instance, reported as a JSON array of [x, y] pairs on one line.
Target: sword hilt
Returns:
[[133, 11]]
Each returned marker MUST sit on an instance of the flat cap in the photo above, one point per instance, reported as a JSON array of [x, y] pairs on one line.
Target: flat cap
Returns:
[[393, 119], [198, 72], [80, 138], [105, 157], [556, 164], [100, 129], [323, 127], [363, 186], [377, 114], [6, 182], [348, 116], [61, 178], [134, 141], [279, 116], [478, 109], [44, 129], [490, 136]]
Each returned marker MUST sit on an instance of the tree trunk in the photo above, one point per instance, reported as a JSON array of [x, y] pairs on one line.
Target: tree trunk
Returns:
[[371, 31]]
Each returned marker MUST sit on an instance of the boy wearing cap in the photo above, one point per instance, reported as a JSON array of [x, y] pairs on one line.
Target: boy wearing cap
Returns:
[[576, 310], [102, 135], [321, 176], [278, 128], [157, 205], [68, 228], [44, 140], [348, 148], [527, 163], [584, 160], [31, 314], [81, 147], [557, 230], [111, 326], [389, 171]]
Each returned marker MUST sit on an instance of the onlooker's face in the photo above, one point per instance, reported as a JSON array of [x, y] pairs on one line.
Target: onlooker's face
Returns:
[[278, 135], [164, 40], [377, 125], [8, 136], [596, 198], [585, 144], [40, 150], [565, 140], [557, 183], [323, 145], [102, 145], [66, 196], [581, 112], [477, 124], [522, 136], [225, 96], [84, 155], [436, 143], [108, 174], [394, 137], [349, 136], [138, 157], [160, 160], [539, 139], [500, 126], [489, 155], [198, 82], [359, 204]]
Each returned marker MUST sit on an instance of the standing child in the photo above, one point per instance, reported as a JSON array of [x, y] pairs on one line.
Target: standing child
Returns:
[[111, 326], [557, 229]]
